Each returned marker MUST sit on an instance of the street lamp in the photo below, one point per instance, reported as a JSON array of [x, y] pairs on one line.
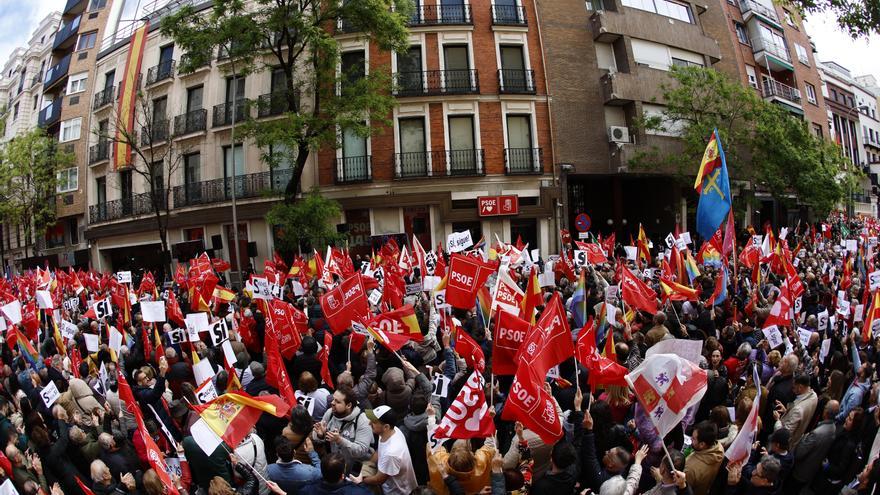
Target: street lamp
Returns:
[[850, 206]]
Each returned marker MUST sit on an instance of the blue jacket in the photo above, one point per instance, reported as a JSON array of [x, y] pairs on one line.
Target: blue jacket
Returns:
[[291, 476], [855, 393], [341, 488]]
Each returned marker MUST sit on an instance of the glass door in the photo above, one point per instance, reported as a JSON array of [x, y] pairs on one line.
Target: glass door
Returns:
[[457, 65], [355, 161], [413, 159], [519, 144], [462, 150], [409, 71], [228, 177]]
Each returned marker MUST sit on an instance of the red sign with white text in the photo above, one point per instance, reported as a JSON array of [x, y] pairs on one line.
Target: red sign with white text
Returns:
[[491, 206]]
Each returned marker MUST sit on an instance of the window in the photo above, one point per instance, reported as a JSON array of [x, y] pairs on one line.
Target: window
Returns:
[[413, 159], [352, 67], [77, 83], [194, 98], [15, 111], [87, 41], [802, 54], [109, 79], [97, 4], [456, 62], [21, 80], [68, 180], [513, 69], [462, 157], [101, 190], [73, 228], [409, 70], [192, 172], [666, 8], [741, 34], [817, 130], [753, 78], [70, 129], [789, 19], [685, 63], [520, 151], [228, 159], [811, 93]]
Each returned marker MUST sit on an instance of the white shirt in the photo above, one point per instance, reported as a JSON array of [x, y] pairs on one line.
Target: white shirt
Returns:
[[394, 461]]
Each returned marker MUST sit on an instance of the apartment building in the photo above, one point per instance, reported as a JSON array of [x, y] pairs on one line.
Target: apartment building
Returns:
[[845, 119], [67, 86], [606, 62], [472, 122], [21, 91]]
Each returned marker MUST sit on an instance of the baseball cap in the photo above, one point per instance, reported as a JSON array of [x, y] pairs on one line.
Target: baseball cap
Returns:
[[382, 414]]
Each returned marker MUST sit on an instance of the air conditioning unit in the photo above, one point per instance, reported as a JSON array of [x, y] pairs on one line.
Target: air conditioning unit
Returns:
[[618, 134]]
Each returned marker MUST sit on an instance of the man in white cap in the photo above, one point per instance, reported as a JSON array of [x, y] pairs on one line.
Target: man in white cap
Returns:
[[395, 469]]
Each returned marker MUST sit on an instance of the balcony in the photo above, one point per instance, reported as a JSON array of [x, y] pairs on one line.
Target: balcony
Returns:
[[775, 89], [162, 72], [134, 206], [437, 82], [50, 114], [155, 134], [353, 169], [205, 63], [104, 97], [516, 81], [99, 152], [771, 53], [523, 161], [449, 15], [74, 7], [438, 163], [751, 8], [508, 15], [640, 84], [275, 103], [273, 182], [223, 113], [191, 122], [66, 36], [56, 73], [609, 26]]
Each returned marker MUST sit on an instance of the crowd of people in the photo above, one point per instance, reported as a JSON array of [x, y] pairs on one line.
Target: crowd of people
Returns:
[[365, 413]]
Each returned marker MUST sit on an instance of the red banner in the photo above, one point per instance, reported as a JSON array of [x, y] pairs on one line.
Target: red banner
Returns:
[[345, 303], [466, 275], [467, 416], [510, 331]]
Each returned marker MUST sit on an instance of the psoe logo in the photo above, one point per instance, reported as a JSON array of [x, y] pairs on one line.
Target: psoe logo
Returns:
[[332, 301]]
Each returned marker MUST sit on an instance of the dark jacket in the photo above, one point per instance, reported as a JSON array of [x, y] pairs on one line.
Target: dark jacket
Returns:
[[57, 464], [341, 488]]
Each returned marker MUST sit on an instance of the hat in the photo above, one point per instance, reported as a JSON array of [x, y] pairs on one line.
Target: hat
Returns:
[[382, 414]]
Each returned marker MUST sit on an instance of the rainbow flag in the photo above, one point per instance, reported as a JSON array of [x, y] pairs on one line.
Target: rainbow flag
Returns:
[[690, 264], [710, 255], [579, 301], [27, 349], [484, 306]]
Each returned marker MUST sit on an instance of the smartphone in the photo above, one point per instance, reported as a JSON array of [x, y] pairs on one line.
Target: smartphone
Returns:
[[356, 468]]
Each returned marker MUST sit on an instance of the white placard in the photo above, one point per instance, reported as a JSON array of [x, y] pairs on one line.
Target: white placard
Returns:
[[611, 313], [804, 336], [206, 392], [297, 288], [631, 252], [228, 352], [115, 339], [860, 312], [71, 304], [195, 323], [440, 299], [670, 240], [103, 309], [175, 336], [92, 342], [683, 348], [12, 311], [50, 394], [611, 293], [822, 319], [375, 297], [153, 311], [536, 255], [459, 241], [686, 237], [123, 277], [219, 331], [261, 288], [203, 371], [205, 437], [553, 373], [44, 300], [680, 244], [824, 349], [852, 245], [799, 304], [783, 233], [441, 386], [773, 336], [843, 308], [305, 401], [429, 282], [172, 466], [583, 235], [874, 280], [68, 329], [580, 258], [547, 279], [757, 239]]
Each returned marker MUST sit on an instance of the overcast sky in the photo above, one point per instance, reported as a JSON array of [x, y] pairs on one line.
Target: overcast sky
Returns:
[[19, 18]]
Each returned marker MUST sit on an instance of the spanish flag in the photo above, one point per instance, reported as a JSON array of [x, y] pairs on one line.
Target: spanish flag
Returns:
[[871, 315], [642, 242], [673, 291], [232, 415], [222, 294], [532, 298], [391, 341], [401, 321]]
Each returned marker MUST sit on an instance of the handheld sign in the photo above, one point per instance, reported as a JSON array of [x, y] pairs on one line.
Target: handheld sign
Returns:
[[103, 309], [123, 277], [153, 311], [50, 394], [219, 331]]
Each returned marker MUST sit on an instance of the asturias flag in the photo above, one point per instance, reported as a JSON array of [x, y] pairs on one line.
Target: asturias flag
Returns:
[[713, 185]]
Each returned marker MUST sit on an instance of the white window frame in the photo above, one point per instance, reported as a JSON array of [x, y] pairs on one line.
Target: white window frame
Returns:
[[752, 76], [68, 172], [70, 124], [802, 55], [82, 77], [811, 93]]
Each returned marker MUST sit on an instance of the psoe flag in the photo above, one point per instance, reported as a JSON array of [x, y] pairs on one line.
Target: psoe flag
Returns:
[[713, 185]]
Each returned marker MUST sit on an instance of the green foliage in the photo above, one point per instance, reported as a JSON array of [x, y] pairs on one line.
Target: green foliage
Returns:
[[28, 180], [763, 142], [309, 220], [298, 38], [856, 17]]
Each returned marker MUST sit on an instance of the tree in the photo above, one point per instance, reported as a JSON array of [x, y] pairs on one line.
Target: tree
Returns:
[[297, 37], [308, 221], [856, 17], [29, 166], [156, 157], [762, 141]]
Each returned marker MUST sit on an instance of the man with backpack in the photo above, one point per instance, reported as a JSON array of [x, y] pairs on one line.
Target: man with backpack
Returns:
[[345, 429]]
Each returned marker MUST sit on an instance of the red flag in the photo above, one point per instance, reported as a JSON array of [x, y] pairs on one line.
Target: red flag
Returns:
[[529, 403], [180, 276], [6, 464], [510, 331], [467, 416], [401, 321], [276, 372], [779, 312], [324, 357], [636, 293], [173, 308], [82, 486], [603, 370], [595, 255], [548, 343], [391, 341], [346, 303], [609, 242], [466, 275], [233, 415], [565, 235], [281, 326], [468, 348]]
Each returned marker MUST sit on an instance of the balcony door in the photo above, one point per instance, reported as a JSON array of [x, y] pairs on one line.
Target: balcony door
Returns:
[[456, 62], [166, 58], [354, 156], [519, 144], [158, 124], [127, 196], [194, 99], [101, 195], [409, 71], [109, 79], [513, 68], [453, 11], [506, 12], [230, 178], [234, 93], [413, 156], [462, 148], [192, 176]]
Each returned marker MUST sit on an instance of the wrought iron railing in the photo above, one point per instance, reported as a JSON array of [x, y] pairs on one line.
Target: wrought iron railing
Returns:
[[274, 103], [254, 185], [516, 81], [439, 163], [523, 161], [190, 122], [155, 133], [223, 112], [441, 14], [509, 15], [437, 82], [99, 152], [164, 70], [133, 206], [773, 87], [104, 97], [353, 169]]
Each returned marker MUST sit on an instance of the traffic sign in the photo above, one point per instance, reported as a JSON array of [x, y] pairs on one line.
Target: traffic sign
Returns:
[[582, 222]]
